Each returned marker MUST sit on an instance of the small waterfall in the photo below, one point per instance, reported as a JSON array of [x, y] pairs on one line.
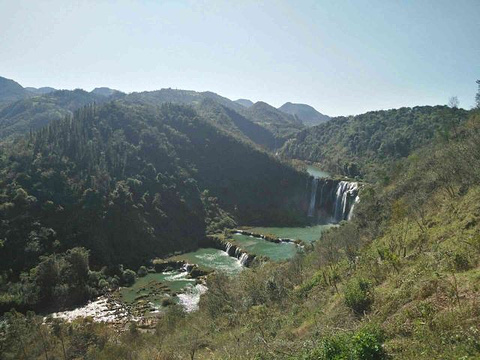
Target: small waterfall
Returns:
[[236, 252], [311, 208], [244, 259], [228, 248]]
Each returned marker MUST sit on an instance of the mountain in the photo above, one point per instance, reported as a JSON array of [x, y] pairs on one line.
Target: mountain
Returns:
[[41, 91], [260, 123], [372, 142], [35, 112], [244, 102], [122, 180], [105, 91], [280, 124], [11, 91], [236, 124], [307, 114]]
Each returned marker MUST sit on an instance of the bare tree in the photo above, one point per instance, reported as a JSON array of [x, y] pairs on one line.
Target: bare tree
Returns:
[[453, 102]]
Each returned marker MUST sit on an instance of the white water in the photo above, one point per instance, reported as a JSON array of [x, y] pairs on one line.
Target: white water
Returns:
[[311, 208], [191, 297], [100, 310], [357, 200], [345, 189], [243, 259]]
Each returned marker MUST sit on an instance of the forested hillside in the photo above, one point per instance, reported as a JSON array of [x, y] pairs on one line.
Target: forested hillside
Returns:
[[401, 280], [366, 145], [22, 110], [122, 181], [35, 112]]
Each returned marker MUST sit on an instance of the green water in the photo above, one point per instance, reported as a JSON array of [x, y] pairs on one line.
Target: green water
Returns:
[[316, 172], [149, 286], [275, 252], [213, 259], [308, 233]]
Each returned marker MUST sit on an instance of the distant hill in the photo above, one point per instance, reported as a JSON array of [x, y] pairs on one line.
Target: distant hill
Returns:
[[306, 113], [282, 125], [104, 91], [28, 109], [244, 102], [41, 91], [236, 124], [11, 91], [35, 112]]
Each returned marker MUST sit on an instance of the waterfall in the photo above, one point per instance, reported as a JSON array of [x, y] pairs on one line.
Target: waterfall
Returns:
[[357, 199], [311, 208], [228, 247], [234, 251], [344, 193], [244, 259]]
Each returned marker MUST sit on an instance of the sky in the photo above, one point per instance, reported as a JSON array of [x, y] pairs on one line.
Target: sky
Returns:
[[341, 57]]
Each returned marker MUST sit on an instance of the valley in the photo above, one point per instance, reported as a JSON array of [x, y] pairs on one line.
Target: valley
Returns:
[[175, 222]]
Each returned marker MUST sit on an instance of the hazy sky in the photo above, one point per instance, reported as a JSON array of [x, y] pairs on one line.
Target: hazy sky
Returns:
[[342, 57]]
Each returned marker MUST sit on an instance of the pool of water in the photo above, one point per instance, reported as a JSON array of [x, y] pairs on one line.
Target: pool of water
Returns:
[[150, 286], [308, 234], [154, 288], [213, 259], [261, 247], [316, 172]]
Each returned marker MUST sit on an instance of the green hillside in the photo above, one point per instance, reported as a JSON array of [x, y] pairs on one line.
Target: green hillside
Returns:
[[121, 180], [367, 145]]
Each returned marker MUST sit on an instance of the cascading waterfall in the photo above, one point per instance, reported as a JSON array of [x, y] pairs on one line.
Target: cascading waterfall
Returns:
[[311, 208], [236, 252], [343, 206], [332, 200]]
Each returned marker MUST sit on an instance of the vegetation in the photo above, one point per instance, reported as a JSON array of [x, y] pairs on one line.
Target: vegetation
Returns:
[[400, 280], [35, 112], [370, 144], [118, 173]]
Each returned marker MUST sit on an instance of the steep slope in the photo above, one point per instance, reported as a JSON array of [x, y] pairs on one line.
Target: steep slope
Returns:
[[307, 114], [11, 91], [123, 181], [236, 124], [365, 145]]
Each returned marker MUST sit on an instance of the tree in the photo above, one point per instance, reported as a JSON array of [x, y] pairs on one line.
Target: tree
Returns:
[[477, 96], [453, 102]]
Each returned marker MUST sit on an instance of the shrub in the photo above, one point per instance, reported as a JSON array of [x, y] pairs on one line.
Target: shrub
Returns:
[[359, 295], [367, 344], [128, 277], [142, 271]]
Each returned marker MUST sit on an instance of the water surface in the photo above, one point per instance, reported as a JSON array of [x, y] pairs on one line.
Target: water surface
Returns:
[[316, 172], [261, 247], [308, 234], [212, 259]]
